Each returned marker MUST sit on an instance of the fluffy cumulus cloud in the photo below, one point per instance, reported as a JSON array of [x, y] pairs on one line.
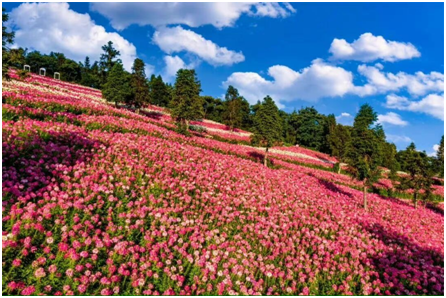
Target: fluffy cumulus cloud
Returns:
[[345, 118], [177, 39], [380, 82], [219, 14], [317, 81], [55, 27], [369, 48], [432, 104], [392, 119], [173, 64], [398, 139]]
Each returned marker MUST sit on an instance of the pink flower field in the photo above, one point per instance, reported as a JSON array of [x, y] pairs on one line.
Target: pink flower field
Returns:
[[103, 201]]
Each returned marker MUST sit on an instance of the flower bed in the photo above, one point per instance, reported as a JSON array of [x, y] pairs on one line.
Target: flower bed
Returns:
[[110, 202]]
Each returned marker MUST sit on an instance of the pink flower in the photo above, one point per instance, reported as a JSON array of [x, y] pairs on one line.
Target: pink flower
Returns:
[[39, 273], [28, 291], [16, 262], [52, 268]]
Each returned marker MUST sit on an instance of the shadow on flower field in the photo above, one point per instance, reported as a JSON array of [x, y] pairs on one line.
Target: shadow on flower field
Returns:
[[152, 115], [332, 187], [40, 159], [403, 263]]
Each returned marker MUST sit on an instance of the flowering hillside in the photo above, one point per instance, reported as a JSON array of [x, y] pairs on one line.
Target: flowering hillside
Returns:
[[102, 201]]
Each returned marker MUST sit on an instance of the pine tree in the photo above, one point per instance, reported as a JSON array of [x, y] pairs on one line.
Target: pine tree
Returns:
[[419, 174], [159, 91], [107, 60], [329, 125], [117, 88], [139, 84], [440, 158], [309, 126], [7, 38], [339, 141], [187, 104], [232, 115], [365, 156], [267, 125]]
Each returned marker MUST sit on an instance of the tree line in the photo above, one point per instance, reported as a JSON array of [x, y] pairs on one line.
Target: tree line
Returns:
[[362, 146]]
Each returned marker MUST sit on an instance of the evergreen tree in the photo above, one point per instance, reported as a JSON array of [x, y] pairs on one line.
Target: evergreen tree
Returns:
[[232, 115], [365, 156], [139, 84], [267, 125], [107, 60], [117, 88], [340, 142], [419, 174], [7, 38], [329, 125], [245, 111], [187, 104], [87, 73], [389, 159], [213, 108], [159, 91], [440, 158], [309, 126]]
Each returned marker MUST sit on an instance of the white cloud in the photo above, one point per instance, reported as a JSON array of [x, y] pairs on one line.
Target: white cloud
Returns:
[[344, 115], [55, 27], [317, 81], [417, 84], [219, 14], [149, 70], [173, 64], [345, 118], [435, 150], [433, 104], [392, 118], [369, 48], [177, 39], [398, 139]]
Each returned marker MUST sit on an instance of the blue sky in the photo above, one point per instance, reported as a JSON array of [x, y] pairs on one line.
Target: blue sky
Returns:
[[333, 56]]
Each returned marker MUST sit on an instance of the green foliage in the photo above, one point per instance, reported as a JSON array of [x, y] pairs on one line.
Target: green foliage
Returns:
[[213, 108], [329, 126], [267, 124], [118, 89], [339, 140], [187, 104], [440, 158], [160, 94], [366, 155], [309, 128], [139, 84], [389, 159], [107, 60], [7, 38], [232, 115], [419, 176]]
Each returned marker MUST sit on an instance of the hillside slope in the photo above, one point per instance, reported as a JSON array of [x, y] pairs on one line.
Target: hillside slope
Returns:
[[98, 200]]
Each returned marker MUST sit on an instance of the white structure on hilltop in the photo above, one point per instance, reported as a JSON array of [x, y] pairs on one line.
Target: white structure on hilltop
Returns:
[[58, 76], [44, 71], [26, 67]]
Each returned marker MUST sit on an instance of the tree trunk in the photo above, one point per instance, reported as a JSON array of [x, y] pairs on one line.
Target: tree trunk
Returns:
[[116, 104], [339, 169], [365, 197], [415, 201], [265, 160]]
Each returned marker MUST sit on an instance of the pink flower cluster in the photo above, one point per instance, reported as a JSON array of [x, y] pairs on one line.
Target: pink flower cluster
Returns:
[[110, 202]]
